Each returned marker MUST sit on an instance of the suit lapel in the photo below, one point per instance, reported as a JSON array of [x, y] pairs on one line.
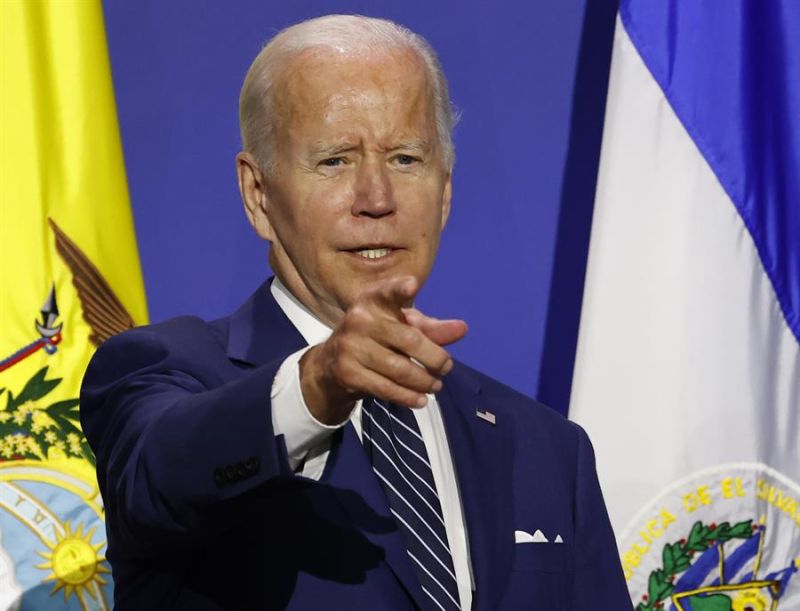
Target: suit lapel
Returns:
[[483, 458], [260, 332], [349, 470]]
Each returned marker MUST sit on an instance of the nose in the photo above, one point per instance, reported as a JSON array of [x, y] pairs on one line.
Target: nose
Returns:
[[373, 190]]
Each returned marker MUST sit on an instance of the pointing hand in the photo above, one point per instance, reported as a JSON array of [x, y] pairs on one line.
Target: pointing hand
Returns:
[[381, 348]]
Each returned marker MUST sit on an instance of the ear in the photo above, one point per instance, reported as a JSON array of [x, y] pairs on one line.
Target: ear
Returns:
[[447, 195], [252, 187]]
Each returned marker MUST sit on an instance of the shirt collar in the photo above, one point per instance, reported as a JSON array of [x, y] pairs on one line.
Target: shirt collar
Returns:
[[310, 327]]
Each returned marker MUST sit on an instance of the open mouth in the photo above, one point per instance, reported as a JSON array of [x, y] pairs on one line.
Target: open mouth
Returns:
[[373, 253]]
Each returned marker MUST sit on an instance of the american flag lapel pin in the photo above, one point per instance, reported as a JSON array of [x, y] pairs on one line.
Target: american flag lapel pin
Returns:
[[486, 415]]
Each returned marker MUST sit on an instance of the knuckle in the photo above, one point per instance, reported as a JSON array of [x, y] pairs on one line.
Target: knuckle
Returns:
[[358, 315], [345, 345], [343, 369], [411, 337], [441, 360], [396, 365], [384, 388]]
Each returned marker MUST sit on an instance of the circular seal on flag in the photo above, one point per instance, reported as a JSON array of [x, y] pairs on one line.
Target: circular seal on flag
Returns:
[[723, 539], [52, 529], [52, 532], [53, 537]]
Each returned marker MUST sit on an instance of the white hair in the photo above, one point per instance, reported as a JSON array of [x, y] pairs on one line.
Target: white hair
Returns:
[[347, 34]]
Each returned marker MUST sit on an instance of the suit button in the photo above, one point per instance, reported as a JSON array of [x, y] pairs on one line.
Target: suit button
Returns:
[[241, 470], [219, 477], [252, 464], [230, 473]]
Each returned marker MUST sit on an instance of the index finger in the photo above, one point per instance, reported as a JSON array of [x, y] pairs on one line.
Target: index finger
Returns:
[[393, 293]]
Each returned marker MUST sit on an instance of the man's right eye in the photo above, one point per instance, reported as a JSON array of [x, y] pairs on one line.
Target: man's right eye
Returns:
[[332, 162]]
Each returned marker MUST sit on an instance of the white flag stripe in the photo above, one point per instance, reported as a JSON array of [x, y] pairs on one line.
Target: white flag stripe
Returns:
[[667, 327], [687, 375]]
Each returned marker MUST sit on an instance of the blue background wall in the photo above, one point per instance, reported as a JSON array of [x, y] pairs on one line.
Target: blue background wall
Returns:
[[530, 79]]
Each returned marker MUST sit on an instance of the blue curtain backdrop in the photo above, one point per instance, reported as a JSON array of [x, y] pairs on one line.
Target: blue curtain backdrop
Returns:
[[530, 79]]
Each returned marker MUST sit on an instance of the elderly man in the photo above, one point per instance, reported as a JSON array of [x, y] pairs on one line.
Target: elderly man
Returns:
[[320, 447]]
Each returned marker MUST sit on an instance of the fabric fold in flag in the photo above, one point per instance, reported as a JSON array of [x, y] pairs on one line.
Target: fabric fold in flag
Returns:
[[70, 279], [687, 374]]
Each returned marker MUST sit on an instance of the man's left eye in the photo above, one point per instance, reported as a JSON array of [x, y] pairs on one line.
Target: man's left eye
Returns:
[[406, 159]]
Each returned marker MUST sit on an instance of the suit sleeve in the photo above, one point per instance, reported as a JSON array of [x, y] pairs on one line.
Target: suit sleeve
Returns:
[[291, 417], [599, 580], [176, 460]]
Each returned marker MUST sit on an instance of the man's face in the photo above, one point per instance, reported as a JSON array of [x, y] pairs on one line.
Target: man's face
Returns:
[[359, 191]]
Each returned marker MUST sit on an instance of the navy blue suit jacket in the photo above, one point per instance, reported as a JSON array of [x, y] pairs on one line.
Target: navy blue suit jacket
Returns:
[[203, 511]]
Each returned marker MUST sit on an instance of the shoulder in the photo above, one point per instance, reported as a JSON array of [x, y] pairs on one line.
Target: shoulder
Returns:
[[537, 430], [188, 332], [181, 335], [523, 409], [184, 343]]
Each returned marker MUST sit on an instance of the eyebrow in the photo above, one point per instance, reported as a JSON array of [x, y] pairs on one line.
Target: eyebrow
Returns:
[[416, 144], [324, 149]]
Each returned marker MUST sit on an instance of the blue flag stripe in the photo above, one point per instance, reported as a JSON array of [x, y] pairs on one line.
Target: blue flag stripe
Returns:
[[731, 72]]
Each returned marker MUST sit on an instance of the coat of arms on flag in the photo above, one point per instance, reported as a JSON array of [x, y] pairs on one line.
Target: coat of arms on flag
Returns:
[[44, 458], [687, 375], [720, 540], [68, 263]]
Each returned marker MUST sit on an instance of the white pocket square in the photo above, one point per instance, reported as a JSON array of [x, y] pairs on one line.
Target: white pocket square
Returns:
[[520, 536]]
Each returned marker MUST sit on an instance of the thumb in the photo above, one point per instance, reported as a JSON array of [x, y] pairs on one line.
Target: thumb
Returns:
[[442, 332]]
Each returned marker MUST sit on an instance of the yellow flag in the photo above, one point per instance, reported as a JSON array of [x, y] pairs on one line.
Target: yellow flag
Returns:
[[69, 279]]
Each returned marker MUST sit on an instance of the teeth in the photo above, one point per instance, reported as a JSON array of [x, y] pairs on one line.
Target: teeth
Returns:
[[374, 253]]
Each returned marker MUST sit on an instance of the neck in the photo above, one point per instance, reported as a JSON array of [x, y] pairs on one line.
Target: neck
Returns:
[[328, 314]]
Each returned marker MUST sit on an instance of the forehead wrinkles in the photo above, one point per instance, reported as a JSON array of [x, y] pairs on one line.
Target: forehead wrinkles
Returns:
[[318, 87]]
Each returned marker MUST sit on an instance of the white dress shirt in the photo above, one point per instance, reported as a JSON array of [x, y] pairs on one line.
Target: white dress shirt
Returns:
[[308, 440]]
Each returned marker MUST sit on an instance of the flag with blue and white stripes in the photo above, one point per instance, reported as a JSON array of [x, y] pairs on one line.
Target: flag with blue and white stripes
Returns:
[[687, 375]]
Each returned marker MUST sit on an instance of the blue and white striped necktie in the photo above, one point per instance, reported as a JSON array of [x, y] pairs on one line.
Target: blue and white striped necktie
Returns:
[[391, 437]]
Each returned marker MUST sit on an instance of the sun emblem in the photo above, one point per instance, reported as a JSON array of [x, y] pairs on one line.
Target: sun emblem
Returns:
[[75, 563], [750, 600]]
